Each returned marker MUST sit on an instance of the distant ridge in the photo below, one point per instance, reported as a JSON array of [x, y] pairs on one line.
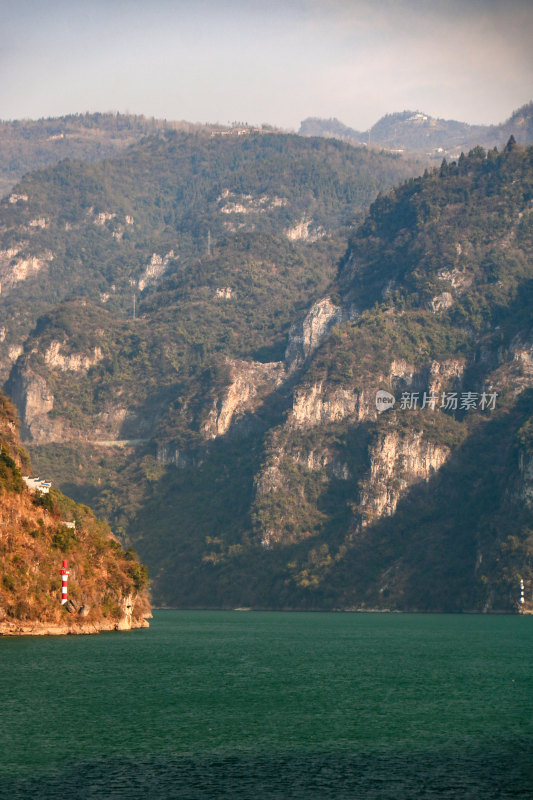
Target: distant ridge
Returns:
[[333, 127], [27, 144], [417, 131]]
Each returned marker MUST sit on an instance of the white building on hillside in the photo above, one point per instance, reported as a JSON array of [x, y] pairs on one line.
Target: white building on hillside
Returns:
[[35, 484]]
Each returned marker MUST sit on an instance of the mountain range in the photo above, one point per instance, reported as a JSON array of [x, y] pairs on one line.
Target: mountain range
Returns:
[[415, 131], [195, 332]]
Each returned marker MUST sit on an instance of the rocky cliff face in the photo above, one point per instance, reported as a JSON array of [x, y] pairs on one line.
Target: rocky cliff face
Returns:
[[250, 382], [305, 231], [42, 414], [168, 453], [55, 358], [34, 400], [321, 404], [16, 265], [445, 375], [306, 334], [397, 462]]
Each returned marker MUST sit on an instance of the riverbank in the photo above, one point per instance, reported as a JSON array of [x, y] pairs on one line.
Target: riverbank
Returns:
[[16, 627]]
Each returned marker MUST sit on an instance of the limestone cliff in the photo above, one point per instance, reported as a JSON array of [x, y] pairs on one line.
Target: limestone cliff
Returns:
[[17, 265], [445, 375], [56, 358], [40, 398], [307, 333], [305, 231], [250, 382], [397, 461], [320, 404], [34, 400]]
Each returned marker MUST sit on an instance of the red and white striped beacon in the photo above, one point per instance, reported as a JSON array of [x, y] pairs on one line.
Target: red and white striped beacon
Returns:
[[64, 572]]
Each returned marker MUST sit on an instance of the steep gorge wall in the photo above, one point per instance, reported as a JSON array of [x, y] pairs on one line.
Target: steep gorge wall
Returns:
[[250, 382], [398, 460]]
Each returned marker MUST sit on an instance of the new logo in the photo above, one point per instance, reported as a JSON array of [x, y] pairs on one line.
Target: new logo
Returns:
[[384, 400]]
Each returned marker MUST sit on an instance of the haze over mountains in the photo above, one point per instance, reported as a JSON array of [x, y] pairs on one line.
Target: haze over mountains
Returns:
[[32, 144], [194, 331], [417, 131]]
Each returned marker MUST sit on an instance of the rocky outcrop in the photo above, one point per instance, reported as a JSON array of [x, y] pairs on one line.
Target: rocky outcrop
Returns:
[[71, 362], [32, 394], [270, 478], [15, 266], [441, 302], [320, 403], [401, 374], [17, 627], [250, 382], [34, 400], [14, 352], [120, 423], [167, 453], [522, 354], [305, 231], [39, 222], [445, 375], [397, 461], [224, 293], [515, 370], [155, 269], [317, 460], [103, 217], [306, 334], [234, 203], [458, 279]]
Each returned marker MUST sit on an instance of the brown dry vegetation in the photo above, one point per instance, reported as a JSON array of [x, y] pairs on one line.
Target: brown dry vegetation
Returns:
[[34, 540]]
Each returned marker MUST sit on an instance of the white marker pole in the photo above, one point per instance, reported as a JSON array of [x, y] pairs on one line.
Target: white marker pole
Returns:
[[64, 572]]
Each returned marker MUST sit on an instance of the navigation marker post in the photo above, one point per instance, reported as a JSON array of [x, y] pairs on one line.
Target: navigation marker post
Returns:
[[64, 572]]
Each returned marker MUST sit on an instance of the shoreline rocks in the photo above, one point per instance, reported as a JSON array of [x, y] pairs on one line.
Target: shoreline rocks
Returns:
[[15, 627]]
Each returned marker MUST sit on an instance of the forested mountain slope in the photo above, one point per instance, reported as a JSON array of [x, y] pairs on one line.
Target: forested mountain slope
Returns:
[[332, 502], [188, 221], [427, 504], [231, 430], [27, 145]]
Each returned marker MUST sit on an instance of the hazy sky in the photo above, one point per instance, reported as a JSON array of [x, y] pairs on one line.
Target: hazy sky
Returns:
[[257, 61]]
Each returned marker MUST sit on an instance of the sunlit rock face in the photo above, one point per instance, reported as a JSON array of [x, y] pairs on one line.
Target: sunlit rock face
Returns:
[[250, 382], [397, 461], [306, 334]]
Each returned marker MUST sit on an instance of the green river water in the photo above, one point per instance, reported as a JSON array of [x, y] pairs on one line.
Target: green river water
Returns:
[[272, 705]]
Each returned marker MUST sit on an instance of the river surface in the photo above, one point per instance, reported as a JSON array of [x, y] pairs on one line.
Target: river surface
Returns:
[[272, 705]]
